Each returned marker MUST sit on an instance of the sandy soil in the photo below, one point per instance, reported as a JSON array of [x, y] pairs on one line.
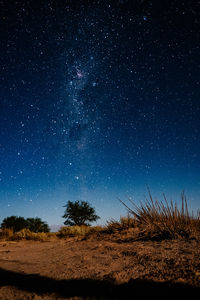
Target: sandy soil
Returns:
[[97, 269]]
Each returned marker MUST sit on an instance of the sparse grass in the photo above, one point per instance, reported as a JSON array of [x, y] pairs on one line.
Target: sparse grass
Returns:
[[24, 234], [64, 232], [163, 220], [77, 231], [121, 225], [52, 235]]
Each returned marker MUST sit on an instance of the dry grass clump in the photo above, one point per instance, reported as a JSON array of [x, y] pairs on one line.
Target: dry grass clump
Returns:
[[24, 234], [6, 233], [78, 231], [163, 220], [51, 235], [123, 224]]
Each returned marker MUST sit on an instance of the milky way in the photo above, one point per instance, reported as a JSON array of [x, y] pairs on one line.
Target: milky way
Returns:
[[78, 123]]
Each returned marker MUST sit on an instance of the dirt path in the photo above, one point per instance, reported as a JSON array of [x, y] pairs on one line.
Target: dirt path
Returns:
[[76, 269]]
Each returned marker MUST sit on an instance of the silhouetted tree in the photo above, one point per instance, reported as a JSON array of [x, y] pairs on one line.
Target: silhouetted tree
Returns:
[[37, 225], [19, 223], [14, 222], [79, 213]]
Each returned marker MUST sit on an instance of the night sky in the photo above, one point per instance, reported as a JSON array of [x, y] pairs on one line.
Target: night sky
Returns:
[[98, 100]]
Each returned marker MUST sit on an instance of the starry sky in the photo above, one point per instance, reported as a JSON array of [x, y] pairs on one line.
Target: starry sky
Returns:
[[98, 100]]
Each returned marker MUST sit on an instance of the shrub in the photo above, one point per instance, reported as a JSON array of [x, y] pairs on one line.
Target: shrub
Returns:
[[26, 234], [18, 223], [15, 223], [161, 220], [77, 231], [72, 231], [37, 225]]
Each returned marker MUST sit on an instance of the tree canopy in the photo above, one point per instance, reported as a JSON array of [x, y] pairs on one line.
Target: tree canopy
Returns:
[[14, 222], [19, 223], [37, 225], [79, 213]]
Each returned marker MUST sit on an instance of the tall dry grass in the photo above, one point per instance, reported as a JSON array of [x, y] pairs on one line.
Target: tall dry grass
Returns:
[[163, 219], [123, 224]]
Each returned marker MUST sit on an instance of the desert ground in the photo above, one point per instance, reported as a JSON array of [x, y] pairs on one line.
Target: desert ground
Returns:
[[98, 268]]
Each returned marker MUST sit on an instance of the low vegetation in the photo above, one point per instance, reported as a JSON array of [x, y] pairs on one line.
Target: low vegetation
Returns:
[[123, 224], [24, 234], [18, 223], [164, 220], [78, 231], [151, 220]]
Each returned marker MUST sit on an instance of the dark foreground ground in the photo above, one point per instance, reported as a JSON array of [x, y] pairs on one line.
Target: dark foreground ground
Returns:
[[98, 269]]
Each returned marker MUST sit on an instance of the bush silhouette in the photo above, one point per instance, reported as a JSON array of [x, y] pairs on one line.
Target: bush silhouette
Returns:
[[79, 213], [15, 223], [18, 223], [37, 225]]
